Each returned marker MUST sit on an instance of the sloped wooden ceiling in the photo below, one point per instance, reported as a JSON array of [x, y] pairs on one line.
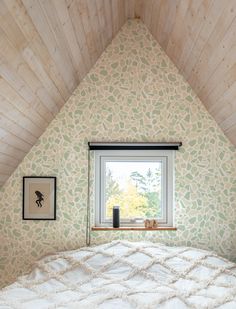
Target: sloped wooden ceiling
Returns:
[[48, 46], [200, 38]]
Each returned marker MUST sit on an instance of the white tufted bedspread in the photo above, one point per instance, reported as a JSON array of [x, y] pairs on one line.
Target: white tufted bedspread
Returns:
[[126, 275]]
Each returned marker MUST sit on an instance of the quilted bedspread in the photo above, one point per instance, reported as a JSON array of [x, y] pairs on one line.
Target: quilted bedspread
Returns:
[[126, 275]]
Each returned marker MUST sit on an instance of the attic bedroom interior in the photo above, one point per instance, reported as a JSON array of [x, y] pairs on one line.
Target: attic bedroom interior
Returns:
[[117, 154]]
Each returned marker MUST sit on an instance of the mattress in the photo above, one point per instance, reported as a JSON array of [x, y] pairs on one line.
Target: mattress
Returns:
[[126, 275]]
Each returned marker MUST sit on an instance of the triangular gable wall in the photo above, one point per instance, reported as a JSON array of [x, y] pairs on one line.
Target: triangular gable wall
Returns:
[[133, 93]]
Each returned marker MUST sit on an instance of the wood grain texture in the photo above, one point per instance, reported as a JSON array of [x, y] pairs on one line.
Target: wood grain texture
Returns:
[[160, 228], [46, 49], [48, 46], [200, 38]]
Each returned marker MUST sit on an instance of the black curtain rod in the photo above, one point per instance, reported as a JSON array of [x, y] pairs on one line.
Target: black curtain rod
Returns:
[[134, 146]]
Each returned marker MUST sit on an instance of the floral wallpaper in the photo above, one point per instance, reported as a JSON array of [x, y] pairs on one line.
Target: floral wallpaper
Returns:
[[133, 93]]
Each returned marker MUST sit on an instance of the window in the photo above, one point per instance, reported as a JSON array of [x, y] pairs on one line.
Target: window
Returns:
[[141, 182]]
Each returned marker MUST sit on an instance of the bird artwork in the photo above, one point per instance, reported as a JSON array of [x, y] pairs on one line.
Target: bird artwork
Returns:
[[40, 198]]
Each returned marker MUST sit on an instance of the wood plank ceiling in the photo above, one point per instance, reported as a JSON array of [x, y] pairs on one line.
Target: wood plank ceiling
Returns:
[[48, 46], [200, 38]]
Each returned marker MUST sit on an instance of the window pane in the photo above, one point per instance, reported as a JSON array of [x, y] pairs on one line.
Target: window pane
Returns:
[[135, 187]]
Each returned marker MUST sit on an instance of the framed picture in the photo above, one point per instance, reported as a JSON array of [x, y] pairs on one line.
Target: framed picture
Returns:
[[39, 198]]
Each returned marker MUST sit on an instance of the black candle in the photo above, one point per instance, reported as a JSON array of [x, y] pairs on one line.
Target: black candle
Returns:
[[116, 216]]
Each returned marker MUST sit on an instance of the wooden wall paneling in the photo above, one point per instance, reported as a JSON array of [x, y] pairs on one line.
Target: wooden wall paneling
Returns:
[[36, 66], [12, 34], [10, 27], [10, 52], [170, 16], [97, 34], [40, 114], [115, 21], [55, 29], [220, 85], [130, 9], [147, 13], [69, 34], [228, 123], [222, 70], [47, 47], [12, 151], [42, 26], [179, 32], [163, 15], [16, 63], [88, 31], [199, 37], [3, 178], [79, 32], [139, 8], [8, 159], [108, 18], [231, 133], [225, 105], [121, 13], [198, 77], [158, 7], [14, 128], [13, 113], [193, 22], [6, 169], [223, 56], [14, 141], [156, 11], [207, 28], [102, 22], [35, 42], [31, 113]]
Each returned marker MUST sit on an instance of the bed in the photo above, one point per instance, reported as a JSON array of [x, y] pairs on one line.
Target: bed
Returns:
[[124, 274]]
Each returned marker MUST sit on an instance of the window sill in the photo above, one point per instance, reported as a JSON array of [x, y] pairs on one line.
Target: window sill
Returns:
[[100, 228]]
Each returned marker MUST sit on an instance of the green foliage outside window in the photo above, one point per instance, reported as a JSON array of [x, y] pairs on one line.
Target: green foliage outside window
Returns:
[[141, 197]]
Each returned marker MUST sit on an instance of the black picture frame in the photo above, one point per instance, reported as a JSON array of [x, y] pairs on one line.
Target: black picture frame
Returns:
[[26, 203]]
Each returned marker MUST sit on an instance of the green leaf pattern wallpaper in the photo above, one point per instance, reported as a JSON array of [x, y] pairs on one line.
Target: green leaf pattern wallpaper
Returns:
[[133, 93]]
